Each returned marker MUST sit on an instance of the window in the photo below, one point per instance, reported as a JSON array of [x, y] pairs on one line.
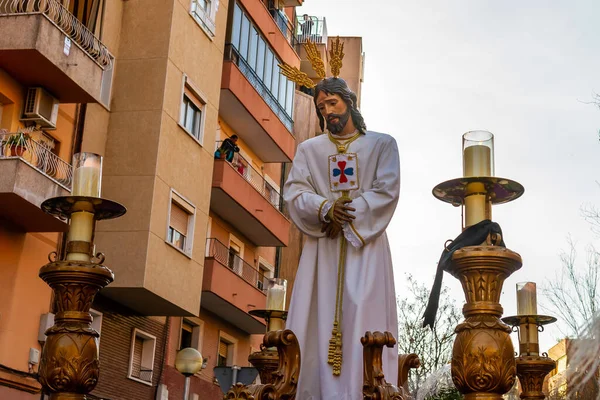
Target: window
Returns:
[[192, 112], [205, 13], [191, 334], [226, 350], [235, 260], [141, 360], [256, 60], [181, 224]]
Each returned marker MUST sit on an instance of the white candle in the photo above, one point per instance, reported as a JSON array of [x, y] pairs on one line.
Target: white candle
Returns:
[[80, 230], [276, 298], [477, 161]]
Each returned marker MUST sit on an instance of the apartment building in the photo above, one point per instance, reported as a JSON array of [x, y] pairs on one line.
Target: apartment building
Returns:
[[154, 86], [563, 382]]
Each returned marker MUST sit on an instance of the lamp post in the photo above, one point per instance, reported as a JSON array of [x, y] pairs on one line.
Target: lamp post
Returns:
[[69, 365], [188, 361]]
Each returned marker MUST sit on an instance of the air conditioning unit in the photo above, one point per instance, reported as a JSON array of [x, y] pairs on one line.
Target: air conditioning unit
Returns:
[[40, 107]]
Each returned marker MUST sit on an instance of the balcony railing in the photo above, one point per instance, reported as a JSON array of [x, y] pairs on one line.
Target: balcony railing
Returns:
[[255, 178], [65, 21], [311, 28], [141, 373], [232, 54], [226, 257], [39, 157], [285, 25]]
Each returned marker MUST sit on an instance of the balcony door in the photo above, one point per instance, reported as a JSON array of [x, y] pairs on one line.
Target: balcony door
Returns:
[[87, 11], [236, 254]]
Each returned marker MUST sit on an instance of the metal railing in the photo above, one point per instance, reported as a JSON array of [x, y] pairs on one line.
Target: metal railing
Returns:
[[232, 54], [38, 156], [255, 178], [311, 28], [65, 21], [226, 257], [285, 26], [142, 374]]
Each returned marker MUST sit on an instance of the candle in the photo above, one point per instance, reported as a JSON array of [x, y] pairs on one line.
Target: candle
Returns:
[[87, 174], [81, 229], [477, 161], [526, 298], [527, 305], [276, 289]]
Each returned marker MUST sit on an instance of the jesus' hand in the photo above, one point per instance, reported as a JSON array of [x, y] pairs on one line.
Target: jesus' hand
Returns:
[[332, 229], [341, 211]]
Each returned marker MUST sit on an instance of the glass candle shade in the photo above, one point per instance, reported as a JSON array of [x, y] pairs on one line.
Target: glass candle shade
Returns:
[[478, 160], [478, 154], [276, 291], [87, 174]]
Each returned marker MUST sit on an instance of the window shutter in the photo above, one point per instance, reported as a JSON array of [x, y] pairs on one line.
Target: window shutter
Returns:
[[136, 363], [179, 219], [223, 349]]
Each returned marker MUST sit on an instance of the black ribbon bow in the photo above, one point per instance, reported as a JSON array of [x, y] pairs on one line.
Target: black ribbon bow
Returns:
[[472, 236]]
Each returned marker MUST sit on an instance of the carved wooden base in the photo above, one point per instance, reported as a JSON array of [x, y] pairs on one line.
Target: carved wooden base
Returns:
[[285, 380], [483, 363], [69, 366], [266, 362], [531, 371], [374, 385]]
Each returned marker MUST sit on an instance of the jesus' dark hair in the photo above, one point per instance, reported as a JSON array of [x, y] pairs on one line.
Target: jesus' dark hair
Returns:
[[340, 87]]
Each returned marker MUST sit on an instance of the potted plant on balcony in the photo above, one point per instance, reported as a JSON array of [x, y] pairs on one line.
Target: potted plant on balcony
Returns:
[[17, 143]]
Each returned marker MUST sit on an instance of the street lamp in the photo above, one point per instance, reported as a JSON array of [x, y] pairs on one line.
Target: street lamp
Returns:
[[188, 362]]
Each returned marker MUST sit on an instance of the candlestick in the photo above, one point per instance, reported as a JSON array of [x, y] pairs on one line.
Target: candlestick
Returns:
[[81, 229], [87, 174], [276, 290]]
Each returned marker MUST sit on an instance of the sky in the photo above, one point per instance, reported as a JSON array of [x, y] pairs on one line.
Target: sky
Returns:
[[521, 70]]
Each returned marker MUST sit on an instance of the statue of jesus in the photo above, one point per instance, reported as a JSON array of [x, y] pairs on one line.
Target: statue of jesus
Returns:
[[341, 192]]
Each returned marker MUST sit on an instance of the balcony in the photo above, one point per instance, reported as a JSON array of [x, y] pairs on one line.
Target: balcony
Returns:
[[231, 287], [250, 109], [242, 198], [42, 44], [31, 173]]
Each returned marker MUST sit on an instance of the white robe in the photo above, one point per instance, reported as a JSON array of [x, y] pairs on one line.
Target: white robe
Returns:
[[369, 302]]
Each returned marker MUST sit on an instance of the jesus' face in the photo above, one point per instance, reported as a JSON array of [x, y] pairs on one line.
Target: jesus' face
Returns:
[[334, 110]]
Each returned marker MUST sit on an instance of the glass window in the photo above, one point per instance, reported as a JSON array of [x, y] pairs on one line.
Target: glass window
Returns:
[[268, 68], [252, 48], [235, 29], [244, 36], [191, 117], [276, 75], [289, 101], [282, 90], [260, 57]]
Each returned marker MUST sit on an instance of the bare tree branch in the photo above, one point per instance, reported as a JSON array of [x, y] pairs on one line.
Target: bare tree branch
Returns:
[[434, 347]]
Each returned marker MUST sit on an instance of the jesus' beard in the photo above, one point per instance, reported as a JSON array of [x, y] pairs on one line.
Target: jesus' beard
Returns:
[[337, 127]]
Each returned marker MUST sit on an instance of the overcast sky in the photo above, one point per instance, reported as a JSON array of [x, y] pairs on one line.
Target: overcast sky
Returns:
[[436, 69]]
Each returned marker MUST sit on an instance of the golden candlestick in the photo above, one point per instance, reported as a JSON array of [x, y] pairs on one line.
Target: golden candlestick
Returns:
[[266, 361], [483, 364], [532, 367], [69, 366]]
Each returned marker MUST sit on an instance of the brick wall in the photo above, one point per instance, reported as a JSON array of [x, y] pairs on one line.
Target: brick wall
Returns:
[[118, 323]]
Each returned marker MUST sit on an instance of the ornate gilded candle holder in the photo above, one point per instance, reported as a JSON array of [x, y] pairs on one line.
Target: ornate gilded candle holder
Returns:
[[266, 361], [532, 367], [69, 365], [483, 363]]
